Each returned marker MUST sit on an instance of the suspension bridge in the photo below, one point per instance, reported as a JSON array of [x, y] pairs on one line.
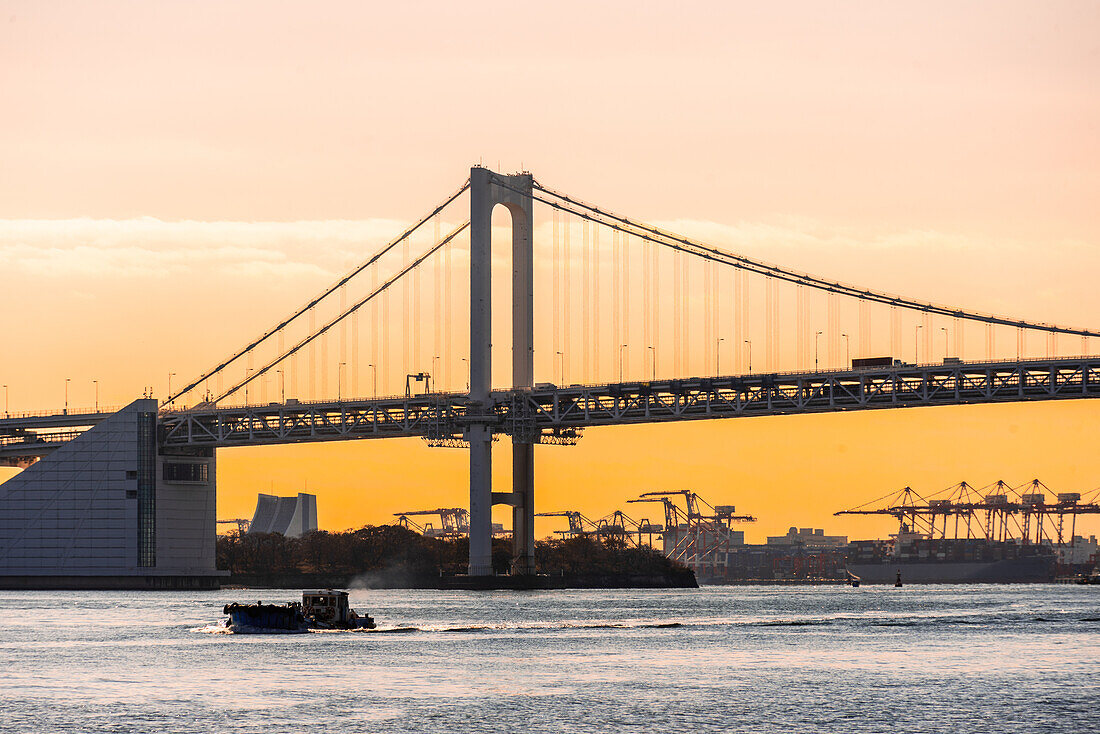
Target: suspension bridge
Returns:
[[635, 325]]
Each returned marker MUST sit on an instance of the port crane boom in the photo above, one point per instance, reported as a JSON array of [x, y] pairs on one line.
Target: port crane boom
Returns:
[[997, 512], [241, 523], [454, 522], [698, 535]]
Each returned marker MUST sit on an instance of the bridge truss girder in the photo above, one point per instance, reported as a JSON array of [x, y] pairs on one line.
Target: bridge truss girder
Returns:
[[556, 415], [796, 393]]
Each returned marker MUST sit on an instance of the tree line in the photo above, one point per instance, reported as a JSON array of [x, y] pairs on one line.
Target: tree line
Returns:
[[393, 548]]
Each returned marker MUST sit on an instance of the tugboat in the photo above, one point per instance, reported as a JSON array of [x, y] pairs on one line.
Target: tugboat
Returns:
[[326, 609]]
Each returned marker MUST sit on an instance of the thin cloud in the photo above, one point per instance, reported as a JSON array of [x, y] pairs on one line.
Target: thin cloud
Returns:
[[318, 252], [152, 248]]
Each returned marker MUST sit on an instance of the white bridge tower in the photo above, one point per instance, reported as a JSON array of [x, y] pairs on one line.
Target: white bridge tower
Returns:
[[487, 189]]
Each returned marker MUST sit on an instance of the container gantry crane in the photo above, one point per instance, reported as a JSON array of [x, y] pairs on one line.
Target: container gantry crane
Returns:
[[241, 523], [617, 528], [579, 525], [454, 522], [698, 535], [996, 513]]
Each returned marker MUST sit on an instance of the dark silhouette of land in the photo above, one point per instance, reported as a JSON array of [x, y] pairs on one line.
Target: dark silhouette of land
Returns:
[[390, 556]]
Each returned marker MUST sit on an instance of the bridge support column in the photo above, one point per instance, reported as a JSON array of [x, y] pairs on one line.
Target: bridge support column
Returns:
[[481, 503], [487, 189], [523, 513], [523, 375]]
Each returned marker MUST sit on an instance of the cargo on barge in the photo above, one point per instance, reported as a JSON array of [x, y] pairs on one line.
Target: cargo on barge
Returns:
[[260, 617]]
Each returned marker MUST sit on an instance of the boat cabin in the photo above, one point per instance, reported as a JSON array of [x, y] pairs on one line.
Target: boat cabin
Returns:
[[327, 606]]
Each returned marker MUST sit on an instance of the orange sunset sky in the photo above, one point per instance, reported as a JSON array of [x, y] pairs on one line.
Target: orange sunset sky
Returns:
[[174, 177]]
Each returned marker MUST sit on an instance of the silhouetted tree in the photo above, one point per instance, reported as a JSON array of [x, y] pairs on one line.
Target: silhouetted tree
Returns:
[[394, 548]]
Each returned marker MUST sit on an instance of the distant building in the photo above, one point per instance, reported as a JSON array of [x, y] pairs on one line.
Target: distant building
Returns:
[[809, 538], [290, 516], [1079, 552], [709, 536]]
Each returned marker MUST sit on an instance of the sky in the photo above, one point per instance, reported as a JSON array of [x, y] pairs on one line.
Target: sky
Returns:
[[176, 176]]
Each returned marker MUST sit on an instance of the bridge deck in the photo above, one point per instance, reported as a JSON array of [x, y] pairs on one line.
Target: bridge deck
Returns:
[[550, 413], [557, 414]]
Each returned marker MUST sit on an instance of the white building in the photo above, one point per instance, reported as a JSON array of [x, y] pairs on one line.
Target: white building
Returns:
[[1080, 552], [290, 516], [809, 538], [111, 509]]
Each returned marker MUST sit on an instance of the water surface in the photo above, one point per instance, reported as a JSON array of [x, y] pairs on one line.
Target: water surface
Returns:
[[767, 659]]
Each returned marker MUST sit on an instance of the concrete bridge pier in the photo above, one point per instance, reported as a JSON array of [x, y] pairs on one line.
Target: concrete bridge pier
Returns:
[[486, 192]]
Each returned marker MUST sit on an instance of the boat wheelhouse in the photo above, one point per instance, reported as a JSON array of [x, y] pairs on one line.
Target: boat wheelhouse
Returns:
[[329, 609]]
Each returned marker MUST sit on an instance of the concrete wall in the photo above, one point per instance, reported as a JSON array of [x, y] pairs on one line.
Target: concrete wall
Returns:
[[186, 517]]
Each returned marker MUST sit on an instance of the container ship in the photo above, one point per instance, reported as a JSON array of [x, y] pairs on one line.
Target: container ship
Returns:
[[919, 559], [996, 534]]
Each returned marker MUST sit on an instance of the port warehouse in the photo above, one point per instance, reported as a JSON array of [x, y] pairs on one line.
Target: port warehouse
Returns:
[[797, 561]]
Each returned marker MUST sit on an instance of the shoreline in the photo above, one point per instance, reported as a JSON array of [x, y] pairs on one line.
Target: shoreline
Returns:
[[681, 580]]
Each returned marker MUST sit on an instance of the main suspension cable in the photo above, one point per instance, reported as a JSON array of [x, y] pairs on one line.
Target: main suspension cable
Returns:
[[373, 259], [324, 329], [653, 234]]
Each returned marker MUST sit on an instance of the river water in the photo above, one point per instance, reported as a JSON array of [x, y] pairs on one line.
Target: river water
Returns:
[[746, 658]]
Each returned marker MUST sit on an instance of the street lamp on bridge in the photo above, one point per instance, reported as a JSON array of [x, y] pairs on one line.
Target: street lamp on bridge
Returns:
[[561, 373], [374, 381], [66, 412], [916, 344], [621, 348], [718, 356], [749, 342], [282, 385], [6, 413], [847, 351], [340, 381], [817, 337], [946, 347], [653, 349], [96, 384]]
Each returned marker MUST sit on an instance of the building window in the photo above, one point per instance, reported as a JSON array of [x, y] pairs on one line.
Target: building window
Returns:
[[131, 494], [131, 475], [147, 490], [185, 472]]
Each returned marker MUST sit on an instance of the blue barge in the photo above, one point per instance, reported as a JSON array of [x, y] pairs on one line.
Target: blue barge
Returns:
[[265, 617]]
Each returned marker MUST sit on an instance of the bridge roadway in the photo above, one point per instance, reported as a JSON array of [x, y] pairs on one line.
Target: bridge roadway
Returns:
[[29, 436], [551, 414]]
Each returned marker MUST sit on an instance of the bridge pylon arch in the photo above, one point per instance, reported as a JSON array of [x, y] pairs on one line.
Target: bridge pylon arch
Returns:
[[514, 192]]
